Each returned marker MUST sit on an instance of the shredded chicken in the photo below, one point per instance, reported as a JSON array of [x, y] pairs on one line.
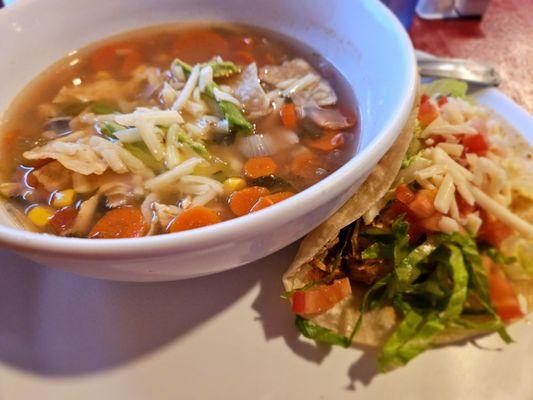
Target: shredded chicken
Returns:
[[102, 90], [124, 192], [247, 89], [84, 220], [77, 157], [165, 214], [53, 176], [318, 92]]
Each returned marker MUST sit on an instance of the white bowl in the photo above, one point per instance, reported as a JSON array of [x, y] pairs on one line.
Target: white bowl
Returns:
[[361, 38]]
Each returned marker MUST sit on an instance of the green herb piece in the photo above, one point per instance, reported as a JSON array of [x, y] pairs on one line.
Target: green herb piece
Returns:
[[74, 109], [102, 108], [196, 146], [323, 335], [274, 182], [140, 150], [220, 176], [108, 128], [231, 112], [222, 69]]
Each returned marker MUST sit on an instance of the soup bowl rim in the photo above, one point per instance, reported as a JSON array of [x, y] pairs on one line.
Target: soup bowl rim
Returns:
[[301, 203]]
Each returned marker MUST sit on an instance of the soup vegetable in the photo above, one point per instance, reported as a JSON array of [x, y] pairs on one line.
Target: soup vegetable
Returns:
[[169, 130]]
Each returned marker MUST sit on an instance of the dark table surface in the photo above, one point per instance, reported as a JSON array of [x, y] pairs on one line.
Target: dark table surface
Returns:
[[502, 38]]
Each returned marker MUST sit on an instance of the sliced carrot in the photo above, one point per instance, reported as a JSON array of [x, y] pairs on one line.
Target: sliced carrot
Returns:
[[280, 196], [199, 45], [288, 116], [192, 218], [117, 56], [267, 59], [257, 167], [263, 202], [123, 222], [329, 141], [271, 199], [242, 201], [305, 166], [242, 57], [63, 220]]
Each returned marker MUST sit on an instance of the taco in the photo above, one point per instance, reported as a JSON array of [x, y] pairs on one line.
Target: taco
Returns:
[[437, 244]]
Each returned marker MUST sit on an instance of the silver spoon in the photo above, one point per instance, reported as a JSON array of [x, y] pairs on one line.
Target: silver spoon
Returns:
[[466, 70]]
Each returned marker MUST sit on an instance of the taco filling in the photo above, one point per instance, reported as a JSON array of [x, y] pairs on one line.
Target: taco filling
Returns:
[[447, 253]]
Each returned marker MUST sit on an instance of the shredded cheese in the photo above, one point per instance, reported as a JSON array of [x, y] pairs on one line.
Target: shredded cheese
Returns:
[[161, 182], [445, 194], [502, 213], [187, 89]]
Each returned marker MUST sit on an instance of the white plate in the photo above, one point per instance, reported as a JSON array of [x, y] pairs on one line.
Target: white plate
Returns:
[[224, 336]]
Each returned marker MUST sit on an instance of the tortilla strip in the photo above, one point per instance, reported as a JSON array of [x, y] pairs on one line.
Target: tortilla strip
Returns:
[[378, 324]]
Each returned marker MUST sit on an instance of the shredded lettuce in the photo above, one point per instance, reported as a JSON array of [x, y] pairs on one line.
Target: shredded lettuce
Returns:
[[521, 250], [446, 87], [434, 286], [378, 250], [323, 335], [414, 336]]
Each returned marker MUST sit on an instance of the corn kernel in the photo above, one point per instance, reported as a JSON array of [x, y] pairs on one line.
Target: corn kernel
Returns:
[[63, 198], [232, 184], [40, 215], [103, 75]]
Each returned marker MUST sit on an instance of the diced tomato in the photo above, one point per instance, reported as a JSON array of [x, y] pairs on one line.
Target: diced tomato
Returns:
[[320, 298], [424, 98], [442, 100], [427, 113], [422, 205], [463, 206], [404, 194], [475, 144], [63, 220], [492, 230], [395, 209], [431, 223], [502, 293], [415, 230]]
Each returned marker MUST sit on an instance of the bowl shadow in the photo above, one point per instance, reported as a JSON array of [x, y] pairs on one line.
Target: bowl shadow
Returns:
[[57, 323]]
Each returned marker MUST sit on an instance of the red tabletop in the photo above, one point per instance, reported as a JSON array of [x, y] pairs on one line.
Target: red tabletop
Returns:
[[502, 38]]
